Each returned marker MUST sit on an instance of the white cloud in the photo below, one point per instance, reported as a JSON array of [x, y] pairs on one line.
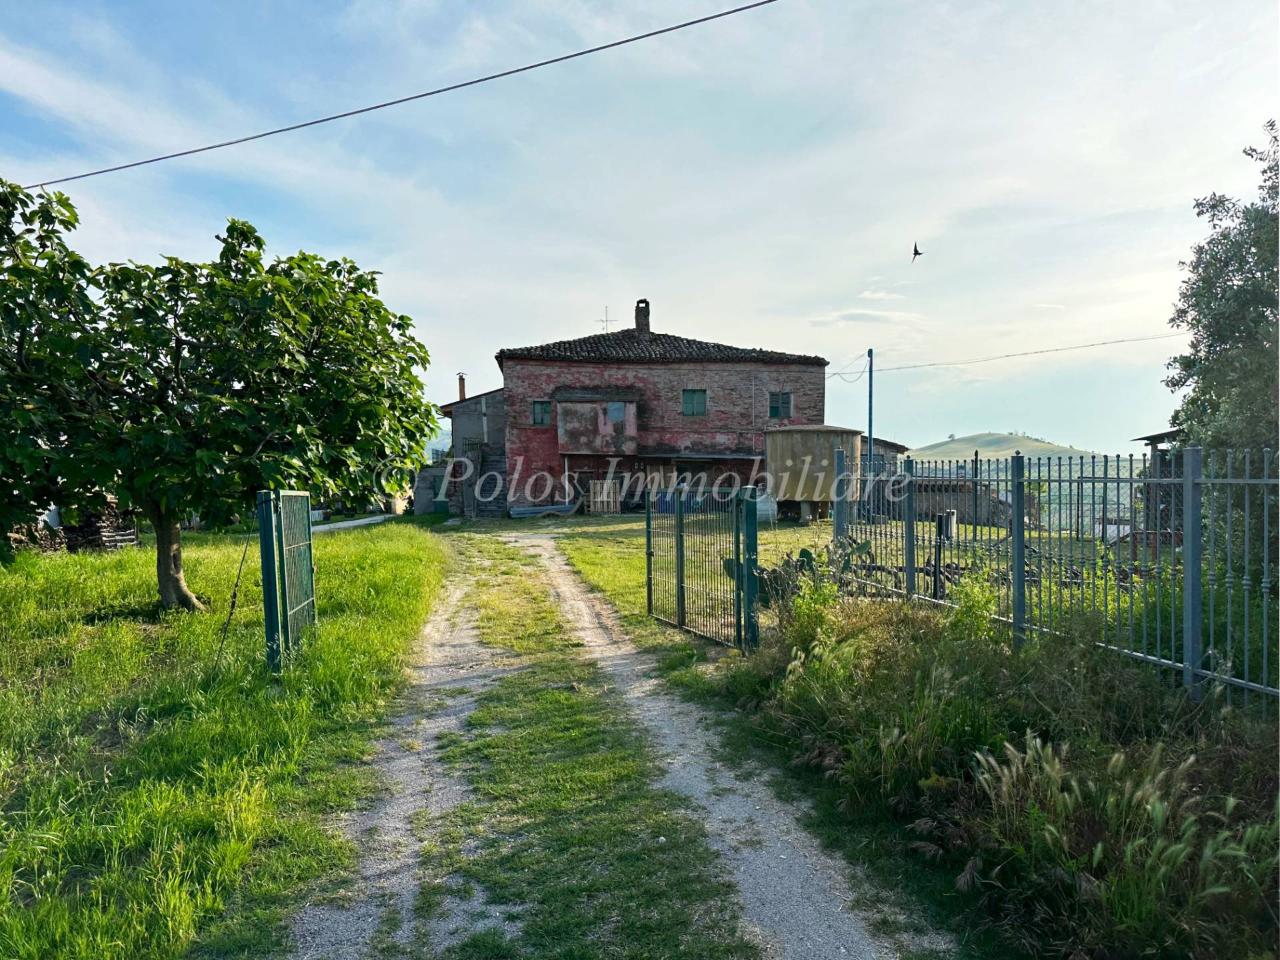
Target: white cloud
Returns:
[[861, 315], [743, 175]]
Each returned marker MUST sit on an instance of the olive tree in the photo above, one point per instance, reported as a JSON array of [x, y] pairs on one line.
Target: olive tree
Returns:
[[183, 387]]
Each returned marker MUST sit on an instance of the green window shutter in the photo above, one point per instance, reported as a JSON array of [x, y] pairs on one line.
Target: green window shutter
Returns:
[[541, 413], [694, 403], [779, 406]]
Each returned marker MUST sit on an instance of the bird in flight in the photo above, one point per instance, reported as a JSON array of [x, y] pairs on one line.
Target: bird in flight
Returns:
[[915, 248]]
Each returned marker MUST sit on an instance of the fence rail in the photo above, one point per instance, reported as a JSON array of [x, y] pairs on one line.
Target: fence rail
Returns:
[[1169, 559], [700, 563]]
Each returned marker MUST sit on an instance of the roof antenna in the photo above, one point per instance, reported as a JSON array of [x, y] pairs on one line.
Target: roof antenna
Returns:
[[605, 322]]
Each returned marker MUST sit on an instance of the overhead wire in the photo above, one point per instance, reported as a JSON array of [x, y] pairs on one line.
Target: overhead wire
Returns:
[[845, 373], [399, 100], [851, 377], [1026, 353]]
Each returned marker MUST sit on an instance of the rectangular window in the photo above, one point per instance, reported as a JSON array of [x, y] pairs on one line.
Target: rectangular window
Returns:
[[779, 406], [617, 411], [694, 403], [542, 413]]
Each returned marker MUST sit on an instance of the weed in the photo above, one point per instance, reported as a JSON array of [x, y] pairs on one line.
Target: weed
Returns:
[[1061, 779]]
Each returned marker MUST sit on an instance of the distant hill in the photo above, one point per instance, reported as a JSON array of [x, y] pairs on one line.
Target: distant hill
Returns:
[[994, 445]]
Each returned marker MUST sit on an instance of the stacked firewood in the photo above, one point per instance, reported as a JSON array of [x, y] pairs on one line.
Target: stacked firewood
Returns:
[[109, 528], [40, 536]]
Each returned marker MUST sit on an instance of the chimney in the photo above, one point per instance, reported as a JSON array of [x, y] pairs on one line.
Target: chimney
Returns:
[[642, 316], [462, 386]]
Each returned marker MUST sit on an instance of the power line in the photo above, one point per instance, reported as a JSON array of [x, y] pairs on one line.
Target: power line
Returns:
[[417, 96], [1027, 353], [849, 377], [845, 368]]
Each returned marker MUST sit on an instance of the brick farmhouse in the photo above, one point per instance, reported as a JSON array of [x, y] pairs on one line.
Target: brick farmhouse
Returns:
[[628, 402]]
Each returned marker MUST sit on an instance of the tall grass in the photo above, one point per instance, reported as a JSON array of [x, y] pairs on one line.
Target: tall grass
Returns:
[[1078, 797], [141, 776]]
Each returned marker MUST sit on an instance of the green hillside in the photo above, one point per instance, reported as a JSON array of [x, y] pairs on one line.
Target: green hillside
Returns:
[[994, 445]]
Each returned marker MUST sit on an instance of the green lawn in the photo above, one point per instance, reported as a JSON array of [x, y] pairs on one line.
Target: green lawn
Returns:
[[156, 800]]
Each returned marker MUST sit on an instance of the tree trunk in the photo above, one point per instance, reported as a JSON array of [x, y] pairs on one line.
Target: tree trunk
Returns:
[[174, 593]]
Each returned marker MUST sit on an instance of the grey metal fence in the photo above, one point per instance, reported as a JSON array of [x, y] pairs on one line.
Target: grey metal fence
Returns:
[[1171, 560], [700, 562]]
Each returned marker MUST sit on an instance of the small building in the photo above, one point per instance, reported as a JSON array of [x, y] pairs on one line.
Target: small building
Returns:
[[1161, 500], [479, 422], [885, 455], [974, 501], [880, 460], [477, 469], [800, 463]]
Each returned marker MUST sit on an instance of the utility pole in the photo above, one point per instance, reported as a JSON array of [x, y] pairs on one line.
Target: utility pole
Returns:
[[871, 439]]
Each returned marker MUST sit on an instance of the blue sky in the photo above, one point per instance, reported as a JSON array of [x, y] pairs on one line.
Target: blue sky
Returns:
[[760, 179]]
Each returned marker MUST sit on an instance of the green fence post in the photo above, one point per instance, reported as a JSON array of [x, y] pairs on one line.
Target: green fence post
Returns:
[[270, 577], [939, 521], [648, 553], [1192, 572], [679, 505], [738, 632], [311, 564], [1018, 530], [750, 554], [973, 526], [909, 527], [286, 595]]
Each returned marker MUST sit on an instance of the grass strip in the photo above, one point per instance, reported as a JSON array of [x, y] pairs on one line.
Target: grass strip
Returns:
[[151, 805], [569, 830]]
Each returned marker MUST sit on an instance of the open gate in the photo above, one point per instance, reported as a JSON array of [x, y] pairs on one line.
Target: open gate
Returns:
[[288, 571], [700, 562]]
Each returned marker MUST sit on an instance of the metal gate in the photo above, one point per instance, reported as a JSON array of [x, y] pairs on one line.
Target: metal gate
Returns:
[[288, 571], [700, 563]]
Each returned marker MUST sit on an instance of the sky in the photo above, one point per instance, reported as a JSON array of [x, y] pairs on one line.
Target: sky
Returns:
[[760, 179]]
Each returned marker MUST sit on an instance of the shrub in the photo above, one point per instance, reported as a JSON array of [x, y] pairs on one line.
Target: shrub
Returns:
[[1083, 801]]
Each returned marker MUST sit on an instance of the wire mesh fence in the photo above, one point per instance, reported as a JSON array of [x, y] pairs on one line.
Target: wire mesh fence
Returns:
[[288, 571], [1170, 559], [700, 562]]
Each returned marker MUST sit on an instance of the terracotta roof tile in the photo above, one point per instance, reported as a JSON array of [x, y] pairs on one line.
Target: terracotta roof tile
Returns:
[[634, 346]]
